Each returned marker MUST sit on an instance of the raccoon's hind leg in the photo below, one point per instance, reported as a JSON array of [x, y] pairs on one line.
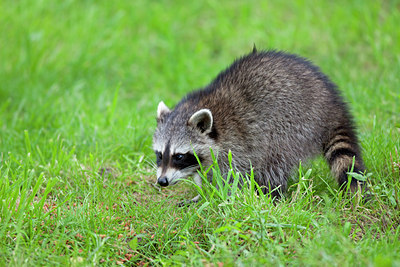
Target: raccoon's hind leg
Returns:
[[340, 149]]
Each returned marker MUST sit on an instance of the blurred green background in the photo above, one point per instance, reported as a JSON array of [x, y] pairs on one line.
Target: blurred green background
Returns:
[[79, 86]]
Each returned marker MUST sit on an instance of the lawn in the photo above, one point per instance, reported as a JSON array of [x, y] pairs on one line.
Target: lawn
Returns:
[[79, 86]]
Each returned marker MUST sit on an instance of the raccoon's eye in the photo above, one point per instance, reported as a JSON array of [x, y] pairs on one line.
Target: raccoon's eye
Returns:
[[159, 157], [179, 157]]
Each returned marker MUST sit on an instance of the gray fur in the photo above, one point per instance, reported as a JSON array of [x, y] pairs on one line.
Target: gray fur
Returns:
[[269, 108]]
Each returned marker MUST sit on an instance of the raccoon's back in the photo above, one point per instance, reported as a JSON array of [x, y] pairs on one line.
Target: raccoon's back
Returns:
[[268, 89]]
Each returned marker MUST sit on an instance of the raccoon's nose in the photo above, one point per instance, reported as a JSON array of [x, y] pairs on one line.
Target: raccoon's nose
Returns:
[[163, 181]]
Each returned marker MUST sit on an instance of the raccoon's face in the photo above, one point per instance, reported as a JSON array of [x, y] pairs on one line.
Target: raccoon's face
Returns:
[[175, 165], [176, 138]]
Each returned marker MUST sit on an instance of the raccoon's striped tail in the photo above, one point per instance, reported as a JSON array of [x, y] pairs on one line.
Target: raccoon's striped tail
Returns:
[[340, 151]]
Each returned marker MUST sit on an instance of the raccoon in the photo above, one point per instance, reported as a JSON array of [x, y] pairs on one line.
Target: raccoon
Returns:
[[272, 110]]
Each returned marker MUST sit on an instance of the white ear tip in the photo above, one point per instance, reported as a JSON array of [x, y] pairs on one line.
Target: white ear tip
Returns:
[[162, 108], [200, 114], [208, 111], [204, 110]]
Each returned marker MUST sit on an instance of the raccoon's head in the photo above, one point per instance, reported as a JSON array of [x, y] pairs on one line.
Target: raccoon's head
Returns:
[[179, 133]]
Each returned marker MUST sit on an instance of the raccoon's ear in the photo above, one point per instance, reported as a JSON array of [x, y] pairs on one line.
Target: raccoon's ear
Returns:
[[162, 111], [202, 120]]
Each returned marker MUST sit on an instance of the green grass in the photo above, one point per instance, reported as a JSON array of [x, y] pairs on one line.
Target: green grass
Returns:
[[79, 85]]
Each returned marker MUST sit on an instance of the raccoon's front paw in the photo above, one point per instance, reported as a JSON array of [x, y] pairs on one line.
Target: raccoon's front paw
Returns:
[[184, 203], [188, 202]]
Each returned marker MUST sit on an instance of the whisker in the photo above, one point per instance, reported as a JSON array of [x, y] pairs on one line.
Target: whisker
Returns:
[[151, 163]]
